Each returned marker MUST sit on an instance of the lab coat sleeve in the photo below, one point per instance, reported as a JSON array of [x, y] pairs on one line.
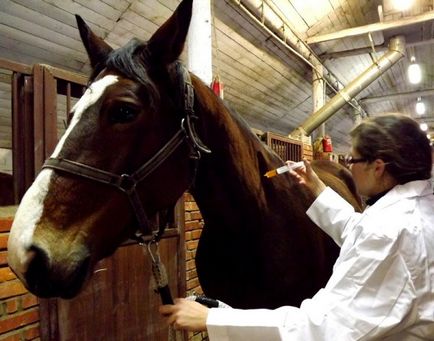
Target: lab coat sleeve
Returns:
[[333, 214], [367, 297]]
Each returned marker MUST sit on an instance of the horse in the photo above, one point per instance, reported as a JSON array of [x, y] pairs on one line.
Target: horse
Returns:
[[153, 130]]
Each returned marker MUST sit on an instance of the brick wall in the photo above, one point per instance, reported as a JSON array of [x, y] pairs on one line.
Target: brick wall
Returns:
[[19, 310], [193, 229], [307, 151]]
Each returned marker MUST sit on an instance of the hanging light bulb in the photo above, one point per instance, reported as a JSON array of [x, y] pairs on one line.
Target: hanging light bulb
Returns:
[[420, 107], [423, 126], [402, 5], [414, 72]]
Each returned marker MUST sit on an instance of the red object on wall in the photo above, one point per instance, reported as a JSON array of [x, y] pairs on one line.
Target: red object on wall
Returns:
[[327, 144], [218, 87]]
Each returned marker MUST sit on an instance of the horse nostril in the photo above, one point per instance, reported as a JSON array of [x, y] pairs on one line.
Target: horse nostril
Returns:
[[47, 280], [37, 270]]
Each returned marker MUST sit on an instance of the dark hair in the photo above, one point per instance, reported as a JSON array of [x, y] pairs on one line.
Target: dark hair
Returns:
[[398, 141]]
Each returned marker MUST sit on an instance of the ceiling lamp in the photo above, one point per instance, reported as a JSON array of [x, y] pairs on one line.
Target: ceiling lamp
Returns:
[[423, 126], [414, 72], [402, 5], [420, 107]]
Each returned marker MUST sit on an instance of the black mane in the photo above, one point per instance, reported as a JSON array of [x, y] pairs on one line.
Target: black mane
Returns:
[[132, 62]]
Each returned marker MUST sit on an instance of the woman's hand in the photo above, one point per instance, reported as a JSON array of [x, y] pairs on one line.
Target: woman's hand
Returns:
[[186, 315], [307, 177]]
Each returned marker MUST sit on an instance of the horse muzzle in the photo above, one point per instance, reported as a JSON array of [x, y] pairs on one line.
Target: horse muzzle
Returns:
[[45, 277], [46, 280]]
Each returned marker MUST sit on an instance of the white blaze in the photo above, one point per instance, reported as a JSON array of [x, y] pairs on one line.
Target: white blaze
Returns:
[[31, 207]]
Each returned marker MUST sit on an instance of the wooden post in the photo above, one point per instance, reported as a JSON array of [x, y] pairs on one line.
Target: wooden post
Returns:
[[199, 41]]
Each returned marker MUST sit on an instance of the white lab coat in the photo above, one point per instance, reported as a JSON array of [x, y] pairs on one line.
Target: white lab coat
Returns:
[[382, 286]]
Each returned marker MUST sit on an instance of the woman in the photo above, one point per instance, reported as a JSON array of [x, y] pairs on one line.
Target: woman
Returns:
[[382, 286]]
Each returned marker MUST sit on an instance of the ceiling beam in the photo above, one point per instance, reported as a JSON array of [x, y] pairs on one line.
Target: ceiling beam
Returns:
[[368, 49], [356, 31], [398, 96]]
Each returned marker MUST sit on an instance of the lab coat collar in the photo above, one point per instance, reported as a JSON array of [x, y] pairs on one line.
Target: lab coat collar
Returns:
[[410, 189]]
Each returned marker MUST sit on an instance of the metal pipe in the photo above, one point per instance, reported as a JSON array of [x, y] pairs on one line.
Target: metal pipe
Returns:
[[300, 49], [395, 53]]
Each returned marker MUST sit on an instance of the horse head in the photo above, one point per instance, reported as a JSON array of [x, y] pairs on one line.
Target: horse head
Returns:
[[128, 142]]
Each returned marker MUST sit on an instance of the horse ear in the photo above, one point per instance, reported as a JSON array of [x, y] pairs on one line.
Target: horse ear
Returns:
[[97, 49], [167, 43]]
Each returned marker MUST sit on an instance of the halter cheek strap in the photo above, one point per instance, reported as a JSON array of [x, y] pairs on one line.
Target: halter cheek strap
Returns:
[[126, 183], [187, 102]]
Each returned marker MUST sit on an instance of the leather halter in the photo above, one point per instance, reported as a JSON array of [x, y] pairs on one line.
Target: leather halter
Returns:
[[127, 183]]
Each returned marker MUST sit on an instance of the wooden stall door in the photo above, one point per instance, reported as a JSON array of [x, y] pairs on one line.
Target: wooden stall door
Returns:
[[119, 302]]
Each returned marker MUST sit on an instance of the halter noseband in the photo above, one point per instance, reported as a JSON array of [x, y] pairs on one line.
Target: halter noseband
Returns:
[[127, 183]]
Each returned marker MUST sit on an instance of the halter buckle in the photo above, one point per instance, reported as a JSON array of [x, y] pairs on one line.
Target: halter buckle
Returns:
[[127, 183]]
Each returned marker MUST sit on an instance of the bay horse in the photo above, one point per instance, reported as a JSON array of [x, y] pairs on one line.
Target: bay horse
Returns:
[[257, 249]]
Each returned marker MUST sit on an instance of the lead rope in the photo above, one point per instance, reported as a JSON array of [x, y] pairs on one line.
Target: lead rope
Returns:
[[161, 282]]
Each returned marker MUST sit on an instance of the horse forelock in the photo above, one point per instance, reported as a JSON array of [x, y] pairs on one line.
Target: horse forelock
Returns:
[[132, 61]]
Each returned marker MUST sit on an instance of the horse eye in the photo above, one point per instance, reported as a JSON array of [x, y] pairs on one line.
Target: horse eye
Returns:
[[123, 113]]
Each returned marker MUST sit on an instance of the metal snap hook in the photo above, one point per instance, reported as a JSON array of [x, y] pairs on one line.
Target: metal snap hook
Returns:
[[154, 254], [127, 183]]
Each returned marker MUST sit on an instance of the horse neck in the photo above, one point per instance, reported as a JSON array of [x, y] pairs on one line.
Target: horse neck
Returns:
[[232, 175]]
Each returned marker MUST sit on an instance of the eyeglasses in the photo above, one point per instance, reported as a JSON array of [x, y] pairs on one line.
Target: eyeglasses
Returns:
[[349, 160]]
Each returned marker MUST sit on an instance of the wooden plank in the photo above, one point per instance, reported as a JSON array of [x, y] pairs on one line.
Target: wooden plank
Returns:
[[14, 66], [121, 296], [40, 19], [120, 5], [143, 23], [242, 49], [44, 55], [20, 135], [55, 10], [50, 112], [29, 38], [100, 7], [66, 75], [6, 143], [152, 11], [5, 120], [354, 30], [5, 102], [91, 16], [38, 107], [44, 8]]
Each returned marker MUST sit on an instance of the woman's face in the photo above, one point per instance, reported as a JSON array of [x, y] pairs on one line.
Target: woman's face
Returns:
[[363, 175]]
